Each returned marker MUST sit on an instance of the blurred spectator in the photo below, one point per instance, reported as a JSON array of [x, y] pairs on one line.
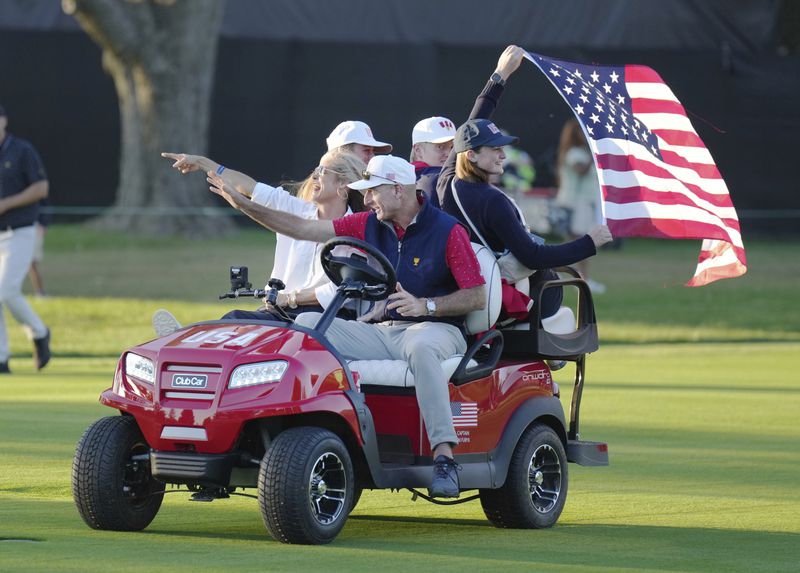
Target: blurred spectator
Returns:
[[518, 171], [578, 191], [519, 175], [23, 184]]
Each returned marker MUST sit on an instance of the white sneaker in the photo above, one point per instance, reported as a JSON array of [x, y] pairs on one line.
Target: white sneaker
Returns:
[[596, 287], [164, 322]]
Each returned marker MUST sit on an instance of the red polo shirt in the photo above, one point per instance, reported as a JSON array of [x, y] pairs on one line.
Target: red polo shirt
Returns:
[[461, 258]]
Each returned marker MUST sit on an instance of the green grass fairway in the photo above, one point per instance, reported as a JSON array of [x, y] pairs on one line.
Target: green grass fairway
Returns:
[[695, 390]]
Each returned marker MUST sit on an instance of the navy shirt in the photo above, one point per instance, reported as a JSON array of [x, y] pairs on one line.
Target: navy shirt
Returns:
[[492, 212], [497, 219], [20, 167]]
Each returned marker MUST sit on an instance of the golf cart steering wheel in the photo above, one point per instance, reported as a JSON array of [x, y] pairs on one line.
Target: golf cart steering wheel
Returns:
[[379, 283]]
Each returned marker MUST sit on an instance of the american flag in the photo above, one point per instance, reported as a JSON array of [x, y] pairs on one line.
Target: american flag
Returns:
[[465, 414], [656, 175]]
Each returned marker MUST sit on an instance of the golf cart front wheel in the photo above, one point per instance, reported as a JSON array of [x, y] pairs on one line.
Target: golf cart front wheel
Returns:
[[111, 480], [306, 486], [535, 490]]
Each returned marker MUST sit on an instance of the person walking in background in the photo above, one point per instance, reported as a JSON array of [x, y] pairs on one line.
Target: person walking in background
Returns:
[[34, 273], [23, 184], [578, 190]]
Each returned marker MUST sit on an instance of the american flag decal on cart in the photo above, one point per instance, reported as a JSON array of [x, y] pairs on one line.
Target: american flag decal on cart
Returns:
[[465, 414]]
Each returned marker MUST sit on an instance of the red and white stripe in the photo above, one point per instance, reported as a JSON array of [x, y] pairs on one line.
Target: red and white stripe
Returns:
[[467, 415], [681, 197]]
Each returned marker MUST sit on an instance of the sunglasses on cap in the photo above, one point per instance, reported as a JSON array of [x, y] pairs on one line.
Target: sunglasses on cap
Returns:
[[366, 176]]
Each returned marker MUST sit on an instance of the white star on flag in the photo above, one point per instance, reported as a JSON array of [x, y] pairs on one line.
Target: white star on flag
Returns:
[[657, 177]]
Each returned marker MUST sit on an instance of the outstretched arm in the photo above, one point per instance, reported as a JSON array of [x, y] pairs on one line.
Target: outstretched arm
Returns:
[[508, 232], [484, 107], [184, 163], [278, 221]]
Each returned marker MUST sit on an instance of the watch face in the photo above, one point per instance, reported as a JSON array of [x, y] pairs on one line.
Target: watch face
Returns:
[[431, 306]]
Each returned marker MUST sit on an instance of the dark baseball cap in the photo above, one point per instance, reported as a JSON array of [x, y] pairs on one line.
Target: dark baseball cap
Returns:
[[478, 132]]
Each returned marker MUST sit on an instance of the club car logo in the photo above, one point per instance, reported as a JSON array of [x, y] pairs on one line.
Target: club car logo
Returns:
[[189, 380]]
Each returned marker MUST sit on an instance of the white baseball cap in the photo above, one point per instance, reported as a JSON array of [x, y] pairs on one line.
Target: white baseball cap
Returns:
[[383, 169], [433, 130], [355, 132]]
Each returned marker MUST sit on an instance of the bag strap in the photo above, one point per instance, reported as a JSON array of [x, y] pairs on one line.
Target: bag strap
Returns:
[[471, 224]]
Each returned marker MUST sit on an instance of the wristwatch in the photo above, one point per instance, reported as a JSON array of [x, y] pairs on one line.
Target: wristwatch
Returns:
[[430, 304], [291, 299], [498, 79]]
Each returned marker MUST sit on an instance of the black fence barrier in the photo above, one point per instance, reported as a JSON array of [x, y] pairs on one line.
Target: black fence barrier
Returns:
[[275, 102]]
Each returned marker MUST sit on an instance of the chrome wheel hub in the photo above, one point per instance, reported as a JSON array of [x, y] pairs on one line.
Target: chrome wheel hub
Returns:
[[544, 478], [327, 488]]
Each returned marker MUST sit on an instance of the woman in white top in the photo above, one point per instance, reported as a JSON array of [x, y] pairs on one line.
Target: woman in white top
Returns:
[[578, 189], [323, 195]]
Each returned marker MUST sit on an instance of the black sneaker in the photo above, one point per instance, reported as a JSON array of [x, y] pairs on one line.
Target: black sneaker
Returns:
[[41, 351], [445, 478], [4, 369]]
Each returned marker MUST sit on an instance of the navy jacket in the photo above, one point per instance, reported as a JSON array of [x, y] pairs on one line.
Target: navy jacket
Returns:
[[420, 258]]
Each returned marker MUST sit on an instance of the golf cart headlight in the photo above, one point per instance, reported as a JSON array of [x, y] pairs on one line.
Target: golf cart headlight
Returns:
[[259, 373], [141, 367]]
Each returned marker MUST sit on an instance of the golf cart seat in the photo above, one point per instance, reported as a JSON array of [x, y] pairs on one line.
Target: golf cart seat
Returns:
[[562, 322], [460, 368], [563, 336]]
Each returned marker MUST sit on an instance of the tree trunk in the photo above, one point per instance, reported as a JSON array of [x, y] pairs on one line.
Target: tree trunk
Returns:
[[161, 55]]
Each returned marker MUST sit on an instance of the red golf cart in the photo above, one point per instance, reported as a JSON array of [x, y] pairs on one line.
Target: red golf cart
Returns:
[[226, 405]]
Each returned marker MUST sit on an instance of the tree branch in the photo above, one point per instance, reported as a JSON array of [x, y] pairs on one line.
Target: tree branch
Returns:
[[110, 23]]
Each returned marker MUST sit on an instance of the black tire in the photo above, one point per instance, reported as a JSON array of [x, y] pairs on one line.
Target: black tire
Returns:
[[305, 486], [535, 490], [111, 489], [357, 491]]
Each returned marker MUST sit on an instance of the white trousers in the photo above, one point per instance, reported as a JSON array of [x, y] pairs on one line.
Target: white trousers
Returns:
[[16, 254]]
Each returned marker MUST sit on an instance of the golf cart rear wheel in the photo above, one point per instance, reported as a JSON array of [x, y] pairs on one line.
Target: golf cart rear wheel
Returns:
[[535, 490], [357, 491], [305, 486], [111, 480]]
